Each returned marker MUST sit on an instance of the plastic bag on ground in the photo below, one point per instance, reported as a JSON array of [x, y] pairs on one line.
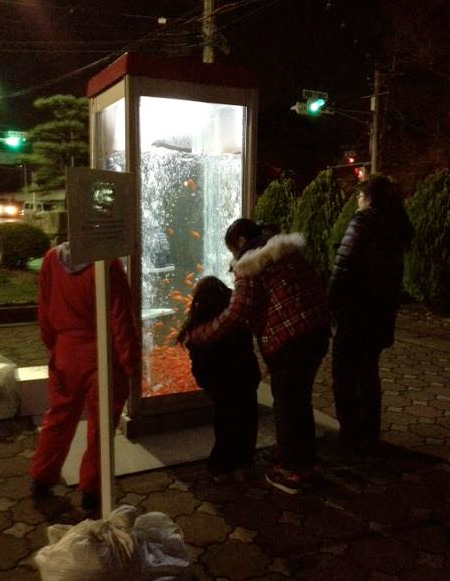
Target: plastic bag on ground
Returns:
[[122, 547], [9, 392]]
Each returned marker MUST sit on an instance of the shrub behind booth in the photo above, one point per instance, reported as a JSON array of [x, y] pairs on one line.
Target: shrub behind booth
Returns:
[[427, 266], [314, 215], [321, 215], [20, 242], [276, 204]]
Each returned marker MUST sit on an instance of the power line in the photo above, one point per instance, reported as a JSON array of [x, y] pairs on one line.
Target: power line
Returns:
[[30, 4], [56, 80], [188, 18]]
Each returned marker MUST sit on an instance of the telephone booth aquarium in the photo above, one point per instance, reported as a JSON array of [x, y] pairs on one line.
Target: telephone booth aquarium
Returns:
[[187, 133]]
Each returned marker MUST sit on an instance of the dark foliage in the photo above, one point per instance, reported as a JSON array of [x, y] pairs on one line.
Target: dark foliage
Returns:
[[427, 269], [19, 242]]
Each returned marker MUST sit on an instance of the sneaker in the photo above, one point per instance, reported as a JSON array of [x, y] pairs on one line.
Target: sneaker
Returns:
[[289, 483]]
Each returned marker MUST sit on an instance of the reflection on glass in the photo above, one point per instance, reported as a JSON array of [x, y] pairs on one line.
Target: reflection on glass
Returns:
[[110, 137], [191, 189]]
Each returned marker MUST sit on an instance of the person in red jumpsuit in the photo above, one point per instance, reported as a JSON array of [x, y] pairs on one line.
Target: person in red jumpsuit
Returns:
[[67, 319]]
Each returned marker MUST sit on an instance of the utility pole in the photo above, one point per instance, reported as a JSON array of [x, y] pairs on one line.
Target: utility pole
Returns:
[[375, 108], [208, 31]]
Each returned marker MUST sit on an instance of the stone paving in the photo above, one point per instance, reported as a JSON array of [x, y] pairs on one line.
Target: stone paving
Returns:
[[22, 345], [415, 376], [385, 518]]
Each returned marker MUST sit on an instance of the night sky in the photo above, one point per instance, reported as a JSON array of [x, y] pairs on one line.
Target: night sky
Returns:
[[328, 45], [291, 44]]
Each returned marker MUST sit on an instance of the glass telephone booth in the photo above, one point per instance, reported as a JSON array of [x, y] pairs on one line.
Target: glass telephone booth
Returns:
[[186, 132]]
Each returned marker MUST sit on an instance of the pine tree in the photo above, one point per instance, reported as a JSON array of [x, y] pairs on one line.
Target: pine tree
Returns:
[[60, 142]]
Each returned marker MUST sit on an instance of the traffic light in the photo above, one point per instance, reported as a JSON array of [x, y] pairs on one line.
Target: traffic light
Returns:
[[13, 140], [360, 173], [358, 167], [314, 104]]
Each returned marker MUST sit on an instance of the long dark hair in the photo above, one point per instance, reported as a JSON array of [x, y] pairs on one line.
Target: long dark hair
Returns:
[[210, 297]]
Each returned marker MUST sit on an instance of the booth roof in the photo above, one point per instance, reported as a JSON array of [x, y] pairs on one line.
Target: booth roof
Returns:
[[184, 70]]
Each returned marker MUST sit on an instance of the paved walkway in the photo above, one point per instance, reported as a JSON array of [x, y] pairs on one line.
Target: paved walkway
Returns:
[[371, 519], [416, 384]]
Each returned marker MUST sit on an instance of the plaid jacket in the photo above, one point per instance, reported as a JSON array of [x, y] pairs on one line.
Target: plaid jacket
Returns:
[[277, 294]]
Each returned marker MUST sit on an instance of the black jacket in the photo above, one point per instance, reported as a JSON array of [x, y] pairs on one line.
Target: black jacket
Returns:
[[226, 362], [366, 280]]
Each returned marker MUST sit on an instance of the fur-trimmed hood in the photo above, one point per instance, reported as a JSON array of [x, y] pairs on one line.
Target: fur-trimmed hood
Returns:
[[276, 248]]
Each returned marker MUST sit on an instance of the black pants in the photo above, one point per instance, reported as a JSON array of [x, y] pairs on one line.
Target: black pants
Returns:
[[235, 426], [357, 386], [293, 370]]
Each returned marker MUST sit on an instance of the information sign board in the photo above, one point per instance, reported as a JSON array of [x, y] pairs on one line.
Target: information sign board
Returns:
[[101, 212]]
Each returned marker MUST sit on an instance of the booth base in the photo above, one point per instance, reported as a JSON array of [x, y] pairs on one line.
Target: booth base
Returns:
[[155, 451], [158, 423]]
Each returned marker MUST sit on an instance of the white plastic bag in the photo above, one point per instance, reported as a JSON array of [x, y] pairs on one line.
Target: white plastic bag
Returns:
[[121, 547], [9, 393]]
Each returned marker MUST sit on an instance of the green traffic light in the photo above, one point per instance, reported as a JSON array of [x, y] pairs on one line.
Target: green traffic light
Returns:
[[315, 105], [14, 142], [13, 139]]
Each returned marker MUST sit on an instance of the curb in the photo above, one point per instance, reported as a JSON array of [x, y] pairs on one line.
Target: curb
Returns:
[[18, 314]]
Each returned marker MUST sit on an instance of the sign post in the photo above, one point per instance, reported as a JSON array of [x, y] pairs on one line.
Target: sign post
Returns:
[[101, 227]]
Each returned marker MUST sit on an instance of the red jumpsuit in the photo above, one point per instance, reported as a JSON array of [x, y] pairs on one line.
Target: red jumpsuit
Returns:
[[67, 322]]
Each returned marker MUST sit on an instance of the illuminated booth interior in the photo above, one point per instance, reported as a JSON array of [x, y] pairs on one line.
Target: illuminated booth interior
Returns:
[[186, 132]]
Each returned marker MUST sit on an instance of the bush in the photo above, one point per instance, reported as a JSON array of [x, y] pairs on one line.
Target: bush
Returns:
[[427, 265], [275, 204], [20, 242], [314, 216]]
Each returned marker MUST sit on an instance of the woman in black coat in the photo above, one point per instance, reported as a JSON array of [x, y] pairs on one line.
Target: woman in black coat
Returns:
[[365, 293]]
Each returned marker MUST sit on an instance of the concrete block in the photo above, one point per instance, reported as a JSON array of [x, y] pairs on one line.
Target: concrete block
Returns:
[[32, 386]]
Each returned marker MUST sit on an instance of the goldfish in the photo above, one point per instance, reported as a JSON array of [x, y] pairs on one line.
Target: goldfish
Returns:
[[173, 333], [195, 234], [188, 279], [165, 281], [157, 325], [199, 267], [170, 231], [187, 300], [176, 296], [189, 183]]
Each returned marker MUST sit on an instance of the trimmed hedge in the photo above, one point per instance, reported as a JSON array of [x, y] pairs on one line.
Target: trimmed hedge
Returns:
[[314, 216], [320, 215], [427, 265], [19, 242], [275, 204]]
